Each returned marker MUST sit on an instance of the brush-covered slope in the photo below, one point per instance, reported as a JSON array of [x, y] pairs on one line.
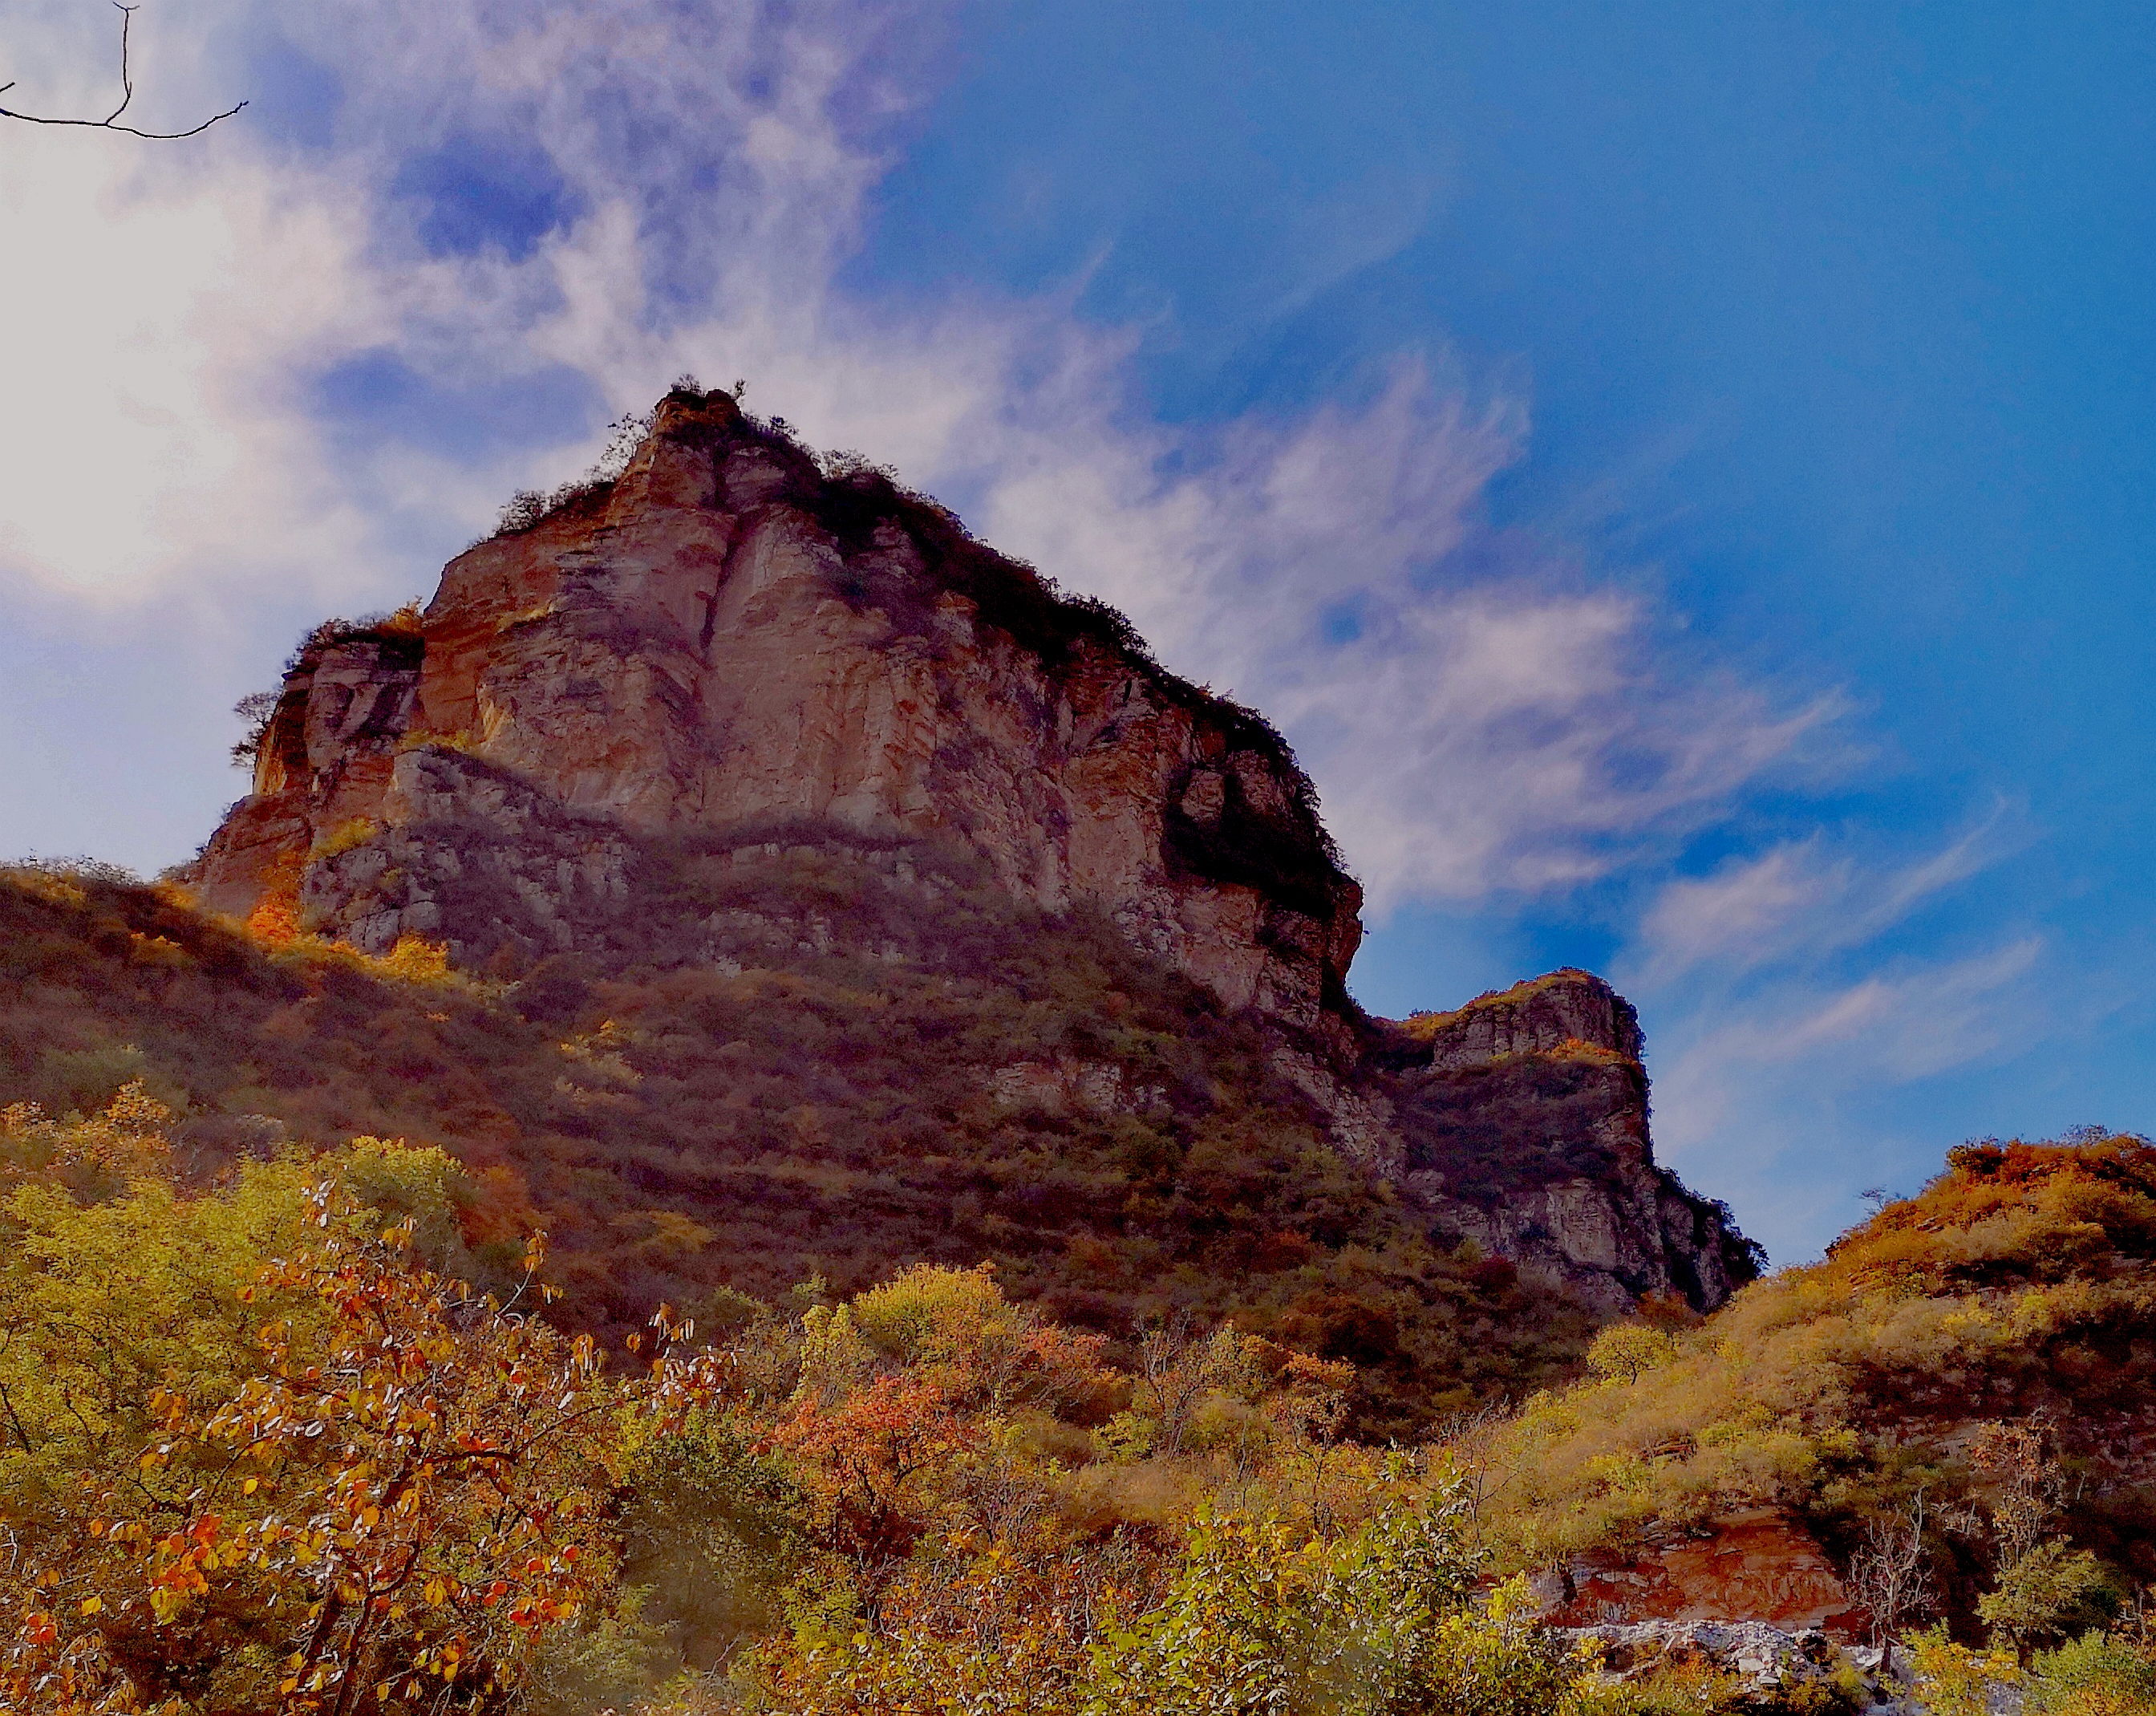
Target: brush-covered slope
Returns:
[[262, 1449], [863, 1060], [1988, 1345]]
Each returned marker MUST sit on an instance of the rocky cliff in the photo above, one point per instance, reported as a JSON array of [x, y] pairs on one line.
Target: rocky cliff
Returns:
[[1522, 1118], [731, 645], [727, 639]]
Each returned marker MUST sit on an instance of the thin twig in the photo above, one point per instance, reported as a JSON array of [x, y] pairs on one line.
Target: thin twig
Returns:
[[127, 95]]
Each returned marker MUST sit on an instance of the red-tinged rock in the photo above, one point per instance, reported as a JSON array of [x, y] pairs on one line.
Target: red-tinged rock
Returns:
[[733, 643], [1756, 1565]]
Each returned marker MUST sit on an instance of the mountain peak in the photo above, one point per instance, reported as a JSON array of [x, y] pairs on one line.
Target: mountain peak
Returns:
[[728, 639], [728, 648]]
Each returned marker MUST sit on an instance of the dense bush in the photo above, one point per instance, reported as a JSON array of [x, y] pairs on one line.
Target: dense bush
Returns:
[[841, 1070], [1980, 1344], [279, 1459], [263, 1449]]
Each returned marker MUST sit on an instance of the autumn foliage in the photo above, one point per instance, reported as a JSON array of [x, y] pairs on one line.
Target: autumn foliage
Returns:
[[366, 1479], [1943, 1400], [263, 1452], [290, 1434]]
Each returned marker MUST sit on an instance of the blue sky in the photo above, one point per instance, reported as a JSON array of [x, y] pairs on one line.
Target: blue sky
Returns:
[[1681, 475]]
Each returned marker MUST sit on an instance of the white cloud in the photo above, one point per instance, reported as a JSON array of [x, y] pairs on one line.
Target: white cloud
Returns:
[[156, 316], [1519, 727], [1741, 912], [1513, 727], [1797, 902], [1782, 1020], [1898, 1028]]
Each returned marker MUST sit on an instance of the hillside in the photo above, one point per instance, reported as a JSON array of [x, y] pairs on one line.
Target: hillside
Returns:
[[262, 1450], [282, 1458], [752, 877], [1971, 1368], [1030, 1090]]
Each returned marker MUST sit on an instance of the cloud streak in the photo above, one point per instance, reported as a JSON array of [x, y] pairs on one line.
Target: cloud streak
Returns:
[[1480, 715], [1793, 901]]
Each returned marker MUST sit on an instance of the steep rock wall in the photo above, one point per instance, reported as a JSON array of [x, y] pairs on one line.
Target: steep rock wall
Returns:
[[728, 639], [1523, 1124]]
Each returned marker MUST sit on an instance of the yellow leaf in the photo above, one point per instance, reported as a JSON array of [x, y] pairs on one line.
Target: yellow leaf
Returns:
[[93, 1606]]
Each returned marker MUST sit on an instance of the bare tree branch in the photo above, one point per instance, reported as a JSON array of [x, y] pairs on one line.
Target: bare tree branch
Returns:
[[1891, 1575], [109, 122]]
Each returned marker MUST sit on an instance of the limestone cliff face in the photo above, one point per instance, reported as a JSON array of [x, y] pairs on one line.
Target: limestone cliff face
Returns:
[[730, 644], [729, 640]]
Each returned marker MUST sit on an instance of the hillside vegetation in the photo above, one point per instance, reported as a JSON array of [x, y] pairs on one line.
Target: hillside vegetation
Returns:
[[1968, 1372], [280, 1458], [788, 1060], [261, 1447]]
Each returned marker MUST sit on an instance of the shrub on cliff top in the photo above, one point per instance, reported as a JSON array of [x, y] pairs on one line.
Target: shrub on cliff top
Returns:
[[529, 508]]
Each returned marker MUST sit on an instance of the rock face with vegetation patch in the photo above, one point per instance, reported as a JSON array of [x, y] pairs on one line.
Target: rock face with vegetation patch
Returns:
[[732, 649], [729, 640], [1522, 1121]]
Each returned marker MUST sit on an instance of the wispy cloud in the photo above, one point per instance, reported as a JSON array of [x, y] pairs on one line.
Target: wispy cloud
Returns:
[[1749, 1103], [152, 346], [1479, 715], [1481, 712], [1803, 900], [1895, 1027], [1789, 1000]]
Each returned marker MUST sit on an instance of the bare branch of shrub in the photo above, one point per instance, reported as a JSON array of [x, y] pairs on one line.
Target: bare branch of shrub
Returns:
[[111, 123]]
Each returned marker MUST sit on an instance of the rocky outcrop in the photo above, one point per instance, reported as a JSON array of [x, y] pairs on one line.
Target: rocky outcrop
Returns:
[[1755, 1565], [1775, 1667], [731, 647], [1768, 1658], [1537, 1017], [727, 638], [1522, 1118]]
